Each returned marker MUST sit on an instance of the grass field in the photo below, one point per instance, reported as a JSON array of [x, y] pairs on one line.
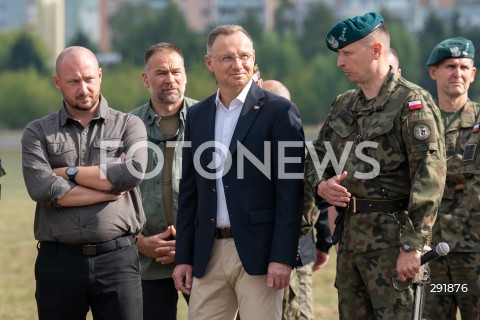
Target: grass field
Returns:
[[18, 247]]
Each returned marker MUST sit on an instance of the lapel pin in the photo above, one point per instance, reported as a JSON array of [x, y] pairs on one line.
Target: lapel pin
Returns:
[[256, 108]]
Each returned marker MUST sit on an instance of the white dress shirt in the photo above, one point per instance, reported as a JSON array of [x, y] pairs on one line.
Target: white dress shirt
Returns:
[[225, 122]]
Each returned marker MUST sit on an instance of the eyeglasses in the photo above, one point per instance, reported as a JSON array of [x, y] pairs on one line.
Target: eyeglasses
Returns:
[[230, 59]]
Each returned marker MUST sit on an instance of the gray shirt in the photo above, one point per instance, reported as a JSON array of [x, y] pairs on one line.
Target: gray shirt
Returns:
[[57, 140]]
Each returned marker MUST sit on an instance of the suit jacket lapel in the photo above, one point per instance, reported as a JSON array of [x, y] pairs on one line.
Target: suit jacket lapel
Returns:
[[251, 108], [209, 127]]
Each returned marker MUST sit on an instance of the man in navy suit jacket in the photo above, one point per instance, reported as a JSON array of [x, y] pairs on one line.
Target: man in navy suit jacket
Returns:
[[241, 193]]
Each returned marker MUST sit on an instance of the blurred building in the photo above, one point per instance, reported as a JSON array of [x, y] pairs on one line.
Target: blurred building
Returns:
[[50, 24], [202, 14], [16, 14], [60, 21]]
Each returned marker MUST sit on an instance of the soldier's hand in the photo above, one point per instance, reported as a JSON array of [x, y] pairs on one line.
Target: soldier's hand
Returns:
[[321, 261], [333, 192], [408, 264]]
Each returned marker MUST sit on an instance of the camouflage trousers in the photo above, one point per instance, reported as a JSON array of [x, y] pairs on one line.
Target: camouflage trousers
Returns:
[[298, 296], [366, 289], [456, 268]]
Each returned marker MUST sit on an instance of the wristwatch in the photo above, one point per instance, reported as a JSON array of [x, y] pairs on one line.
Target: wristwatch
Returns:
[[405, 247], [71, 172]]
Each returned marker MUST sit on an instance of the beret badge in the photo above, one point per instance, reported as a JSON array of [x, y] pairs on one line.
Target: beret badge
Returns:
[[457, 47], [333, 43]]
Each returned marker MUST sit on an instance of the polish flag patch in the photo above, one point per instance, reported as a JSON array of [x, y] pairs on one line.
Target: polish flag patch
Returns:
[[415, 105], [476, 127]]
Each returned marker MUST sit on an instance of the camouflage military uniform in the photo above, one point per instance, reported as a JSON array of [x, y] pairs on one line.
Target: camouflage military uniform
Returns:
[[453, 226], [470, 167], [406, 124], [300, 286]]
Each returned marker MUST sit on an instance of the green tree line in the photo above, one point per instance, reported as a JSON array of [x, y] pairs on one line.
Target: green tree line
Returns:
[[296, 56]]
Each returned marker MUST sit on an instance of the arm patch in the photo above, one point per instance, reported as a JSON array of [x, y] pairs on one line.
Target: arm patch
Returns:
[[469, 152], [423, 134]]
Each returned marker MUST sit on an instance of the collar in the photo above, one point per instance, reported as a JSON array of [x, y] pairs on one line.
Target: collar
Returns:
[[468, 114], [152, 117], [101, 112], [241, 97], [378, 103]]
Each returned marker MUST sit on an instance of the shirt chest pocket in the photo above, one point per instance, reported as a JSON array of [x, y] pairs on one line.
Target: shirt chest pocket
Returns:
[[471, 157], [106, 150], [344, 133], [61, 154], [377, 141], [344, 126], [385, 146]]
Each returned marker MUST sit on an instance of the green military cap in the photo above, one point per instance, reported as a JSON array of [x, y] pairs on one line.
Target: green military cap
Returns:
[[351, 30], [457, 47]]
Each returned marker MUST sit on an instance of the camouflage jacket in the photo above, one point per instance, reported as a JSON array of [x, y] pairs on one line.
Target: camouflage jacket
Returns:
[[392, 147], [453, 225], [470, 167], [310, 210]]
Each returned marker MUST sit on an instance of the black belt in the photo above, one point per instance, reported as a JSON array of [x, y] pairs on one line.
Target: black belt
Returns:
[[89, 249], [357, 205], [223, 233]]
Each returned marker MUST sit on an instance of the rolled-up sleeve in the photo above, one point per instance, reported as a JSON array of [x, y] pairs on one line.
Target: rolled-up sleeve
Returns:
[[42, 184], [128, 174]]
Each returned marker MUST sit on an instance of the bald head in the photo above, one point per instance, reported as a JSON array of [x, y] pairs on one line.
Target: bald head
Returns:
[[78, 77], [75, 53], [276, 87]]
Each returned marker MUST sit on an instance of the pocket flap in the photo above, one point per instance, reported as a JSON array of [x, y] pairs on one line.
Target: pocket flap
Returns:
[[343, 124], [107, 144], [60, 148]]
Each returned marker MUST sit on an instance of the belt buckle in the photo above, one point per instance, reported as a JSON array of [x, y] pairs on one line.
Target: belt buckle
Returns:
[[89, 249], [353, 201], [223, 233]]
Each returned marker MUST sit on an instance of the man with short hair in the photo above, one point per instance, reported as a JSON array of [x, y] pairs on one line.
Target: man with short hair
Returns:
[[164, 117], [451, 65], [82, 166], [386, 139], [241, 193]]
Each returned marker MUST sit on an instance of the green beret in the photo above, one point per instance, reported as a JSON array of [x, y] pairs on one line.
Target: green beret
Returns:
[[351, 30], [451, 48]]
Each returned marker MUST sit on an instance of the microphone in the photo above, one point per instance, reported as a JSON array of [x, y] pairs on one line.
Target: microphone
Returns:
[[441, 250]]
